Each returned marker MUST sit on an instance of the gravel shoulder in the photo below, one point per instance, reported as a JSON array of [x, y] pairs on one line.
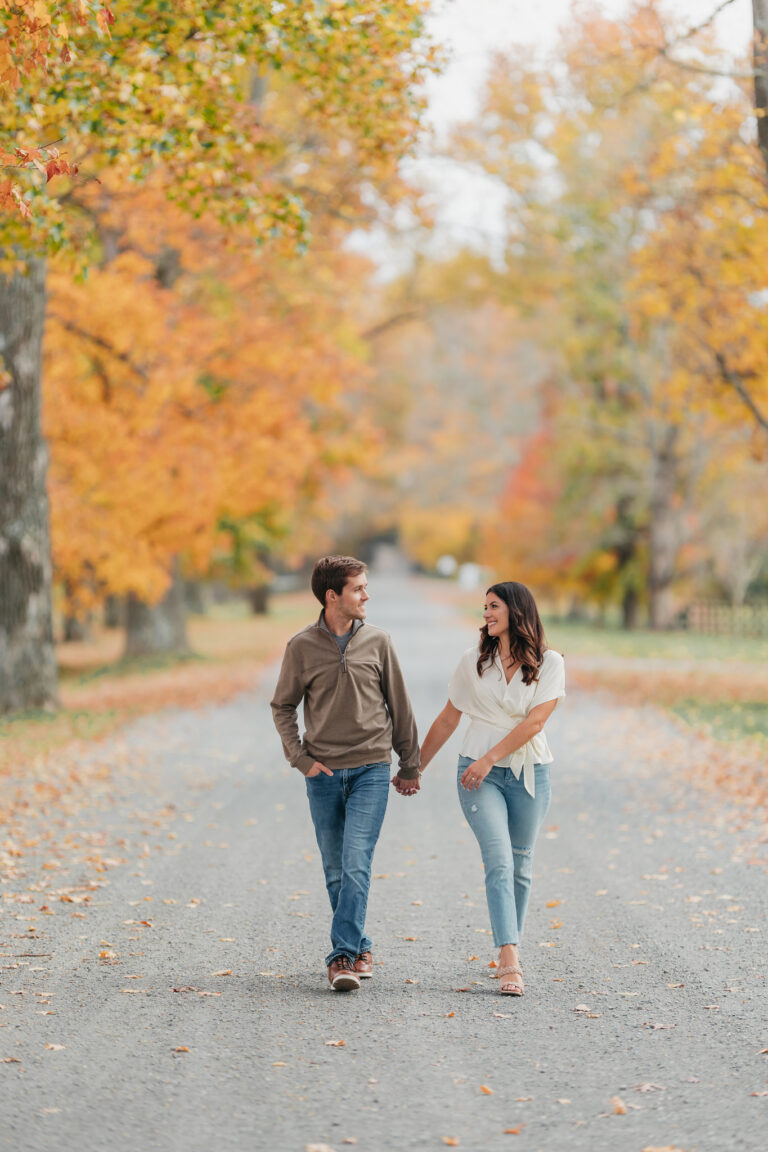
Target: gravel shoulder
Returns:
[[185, 1005]]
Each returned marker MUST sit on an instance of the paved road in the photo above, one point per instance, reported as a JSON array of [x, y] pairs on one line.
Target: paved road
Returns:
[[646, 980]]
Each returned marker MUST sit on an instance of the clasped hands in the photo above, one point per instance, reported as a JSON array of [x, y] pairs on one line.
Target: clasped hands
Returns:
[[404, 787]]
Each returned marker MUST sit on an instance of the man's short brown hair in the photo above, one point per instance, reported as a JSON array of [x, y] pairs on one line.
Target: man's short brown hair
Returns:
[[330, 573]]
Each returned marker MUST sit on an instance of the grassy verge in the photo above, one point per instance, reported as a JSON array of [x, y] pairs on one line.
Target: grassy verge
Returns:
[[99, 692], [725, 720], [668, 647], [715, 684]]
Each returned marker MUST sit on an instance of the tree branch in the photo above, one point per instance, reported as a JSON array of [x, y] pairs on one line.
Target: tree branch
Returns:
[[100, 342], [737, 383], [392, 322], [696, 28], [704, 69]]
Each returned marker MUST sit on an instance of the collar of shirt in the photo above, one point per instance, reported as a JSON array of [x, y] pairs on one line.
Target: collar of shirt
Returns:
[[356, 626]]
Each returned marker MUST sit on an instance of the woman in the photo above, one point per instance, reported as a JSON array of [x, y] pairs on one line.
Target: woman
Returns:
[[509, 686]]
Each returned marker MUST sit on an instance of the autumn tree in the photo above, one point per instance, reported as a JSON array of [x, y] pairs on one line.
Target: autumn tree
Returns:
[[200, 427], [168, 96], [636, 244], [31, 33]]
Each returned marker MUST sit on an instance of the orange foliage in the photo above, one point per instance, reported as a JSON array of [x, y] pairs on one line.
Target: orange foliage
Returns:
[[638, 224], [171, 408], [522, 542]]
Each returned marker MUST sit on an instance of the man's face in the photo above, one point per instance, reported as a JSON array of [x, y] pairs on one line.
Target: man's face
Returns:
[[353, 597]]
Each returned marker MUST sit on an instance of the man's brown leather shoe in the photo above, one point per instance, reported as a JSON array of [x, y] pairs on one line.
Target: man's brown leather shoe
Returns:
[[342, 974], [364, 965]]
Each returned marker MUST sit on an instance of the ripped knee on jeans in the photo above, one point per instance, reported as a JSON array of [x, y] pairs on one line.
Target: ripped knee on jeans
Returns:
[[523, 858]]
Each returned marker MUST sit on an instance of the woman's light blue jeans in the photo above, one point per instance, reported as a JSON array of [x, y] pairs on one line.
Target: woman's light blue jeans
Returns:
[[506, 821], [347, 811]]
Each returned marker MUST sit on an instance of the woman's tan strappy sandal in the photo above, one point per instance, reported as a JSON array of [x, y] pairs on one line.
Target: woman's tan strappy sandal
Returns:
[[510, 987]]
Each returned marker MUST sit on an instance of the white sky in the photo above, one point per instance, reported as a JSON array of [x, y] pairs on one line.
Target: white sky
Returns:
[[470, 29], [468, 207]]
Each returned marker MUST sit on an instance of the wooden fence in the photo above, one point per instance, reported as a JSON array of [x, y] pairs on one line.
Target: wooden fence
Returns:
[[727, 619]]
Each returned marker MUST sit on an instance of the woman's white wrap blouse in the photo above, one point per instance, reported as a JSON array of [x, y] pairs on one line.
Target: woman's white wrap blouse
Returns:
[[495, 708]]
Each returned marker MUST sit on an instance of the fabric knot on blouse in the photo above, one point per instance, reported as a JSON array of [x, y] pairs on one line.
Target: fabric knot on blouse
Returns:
[[495, 707]]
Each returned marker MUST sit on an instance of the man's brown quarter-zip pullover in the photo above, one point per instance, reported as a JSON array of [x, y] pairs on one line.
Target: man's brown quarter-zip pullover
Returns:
[[356, 708]]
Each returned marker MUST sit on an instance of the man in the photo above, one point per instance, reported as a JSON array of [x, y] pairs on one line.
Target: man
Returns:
[[356, 709]]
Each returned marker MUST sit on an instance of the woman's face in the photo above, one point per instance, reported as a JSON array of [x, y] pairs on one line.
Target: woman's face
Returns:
[[496, 615]]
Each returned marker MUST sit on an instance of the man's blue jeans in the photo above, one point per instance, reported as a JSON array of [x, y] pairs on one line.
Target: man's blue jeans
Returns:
[[506, 821], [347, 810]]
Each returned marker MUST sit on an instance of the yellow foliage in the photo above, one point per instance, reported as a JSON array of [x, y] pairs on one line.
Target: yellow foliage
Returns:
[[429, 533], [172, 408]]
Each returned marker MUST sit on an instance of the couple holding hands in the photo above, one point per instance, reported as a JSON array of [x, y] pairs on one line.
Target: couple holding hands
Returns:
[[356, 710]]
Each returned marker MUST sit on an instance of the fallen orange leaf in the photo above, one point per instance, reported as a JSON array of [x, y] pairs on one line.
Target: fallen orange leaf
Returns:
[[335, 1043], [619, 1107], [451, 1141], [486, 1091], [181, 1048], [552, 904], [513, 1131]]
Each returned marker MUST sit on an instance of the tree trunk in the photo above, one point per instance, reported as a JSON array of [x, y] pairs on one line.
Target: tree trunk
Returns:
[[630, 609], [151, 629], [664, 536], [27, 657], [78, 621], [77, 628], [114, 612], [628, 533], [194, 597], [258, 598], [760, 59]]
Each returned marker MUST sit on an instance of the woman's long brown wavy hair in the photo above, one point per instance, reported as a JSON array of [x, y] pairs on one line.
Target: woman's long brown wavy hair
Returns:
[[526, 633]]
